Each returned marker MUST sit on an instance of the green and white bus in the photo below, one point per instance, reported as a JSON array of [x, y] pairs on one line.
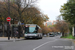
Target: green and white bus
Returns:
[[32, 31]]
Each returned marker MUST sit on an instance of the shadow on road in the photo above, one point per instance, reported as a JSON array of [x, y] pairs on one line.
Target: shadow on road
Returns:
[[31, 39], [7, 41], [17, 40]]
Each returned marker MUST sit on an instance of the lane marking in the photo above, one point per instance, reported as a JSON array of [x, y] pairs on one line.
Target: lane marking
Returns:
[[44, 44]]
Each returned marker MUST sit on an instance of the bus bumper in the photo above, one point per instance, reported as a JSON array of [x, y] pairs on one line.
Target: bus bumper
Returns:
[[31, 36]]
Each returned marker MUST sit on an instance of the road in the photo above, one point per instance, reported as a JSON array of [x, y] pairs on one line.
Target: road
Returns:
[[47, 43]]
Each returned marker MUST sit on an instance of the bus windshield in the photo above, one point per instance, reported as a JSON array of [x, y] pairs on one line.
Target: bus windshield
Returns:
[[30, 29]]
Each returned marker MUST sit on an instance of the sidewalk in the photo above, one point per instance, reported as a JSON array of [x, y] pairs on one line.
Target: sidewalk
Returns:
[[5, 39]]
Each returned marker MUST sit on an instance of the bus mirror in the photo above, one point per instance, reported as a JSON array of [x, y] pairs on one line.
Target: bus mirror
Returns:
[[36, 28]]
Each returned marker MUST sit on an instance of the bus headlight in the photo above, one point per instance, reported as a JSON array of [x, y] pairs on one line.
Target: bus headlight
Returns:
[[35, 34], [25, 35]]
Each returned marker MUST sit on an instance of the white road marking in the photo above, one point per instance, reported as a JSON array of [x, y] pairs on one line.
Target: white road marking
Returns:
[[44, 44]]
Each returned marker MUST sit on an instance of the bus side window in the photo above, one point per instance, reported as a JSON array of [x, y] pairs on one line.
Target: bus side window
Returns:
[[37, 29]]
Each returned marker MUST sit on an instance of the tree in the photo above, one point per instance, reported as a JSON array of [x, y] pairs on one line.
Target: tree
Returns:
[[45, 30], [58, 17], [45, 17], [29, 15], [33, 15], [21, 6], [68, 11], [3, 15], [62, 27]]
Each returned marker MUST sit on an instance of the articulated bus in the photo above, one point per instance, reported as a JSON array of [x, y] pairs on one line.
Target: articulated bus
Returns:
[[32, 31]]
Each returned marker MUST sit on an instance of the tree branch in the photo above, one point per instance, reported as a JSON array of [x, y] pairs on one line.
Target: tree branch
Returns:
[[24, 8]]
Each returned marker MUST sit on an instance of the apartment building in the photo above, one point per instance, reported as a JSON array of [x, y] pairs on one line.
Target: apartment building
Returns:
[[50, 23]]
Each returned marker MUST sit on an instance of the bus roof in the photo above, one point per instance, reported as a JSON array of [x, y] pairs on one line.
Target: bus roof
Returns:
[[32, 25]]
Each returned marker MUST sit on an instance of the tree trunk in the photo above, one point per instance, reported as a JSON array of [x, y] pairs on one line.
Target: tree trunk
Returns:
[[3, 28], [65, 34], [62, 34]]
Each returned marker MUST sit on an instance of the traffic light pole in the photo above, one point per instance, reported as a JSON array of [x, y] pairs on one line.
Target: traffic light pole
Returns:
[[8, 26]]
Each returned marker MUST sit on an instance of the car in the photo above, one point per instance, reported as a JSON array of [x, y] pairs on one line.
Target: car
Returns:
[[51, 34], [45, 35]]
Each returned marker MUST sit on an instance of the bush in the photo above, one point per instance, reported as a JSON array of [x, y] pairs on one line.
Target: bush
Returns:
[[73, 37], [69, 37]]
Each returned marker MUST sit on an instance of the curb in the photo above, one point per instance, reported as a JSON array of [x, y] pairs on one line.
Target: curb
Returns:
[[66, 38], [11, 40]]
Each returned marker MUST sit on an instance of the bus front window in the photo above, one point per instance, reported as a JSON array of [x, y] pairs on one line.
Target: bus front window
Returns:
[[32, 29]]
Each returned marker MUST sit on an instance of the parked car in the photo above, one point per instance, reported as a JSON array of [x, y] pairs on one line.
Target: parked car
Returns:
[[45, 35], [52, 34]]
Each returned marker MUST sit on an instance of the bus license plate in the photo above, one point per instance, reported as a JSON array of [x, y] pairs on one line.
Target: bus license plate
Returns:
[[30, 37]]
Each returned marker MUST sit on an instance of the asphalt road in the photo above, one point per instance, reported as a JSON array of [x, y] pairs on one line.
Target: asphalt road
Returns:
[[47, 43]]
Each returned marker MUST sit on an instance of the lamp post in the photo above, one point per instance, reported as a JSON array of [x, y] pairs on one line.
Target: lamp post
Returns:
[[8, 26]]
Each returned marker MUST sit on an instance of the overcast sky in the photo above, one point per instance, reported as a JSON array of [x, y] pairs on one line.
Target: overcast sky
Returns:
[[51, 7]]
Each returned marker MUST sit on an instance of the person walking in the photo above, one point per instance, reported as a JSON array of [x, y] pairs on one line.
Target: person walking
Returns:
[[16, 34]]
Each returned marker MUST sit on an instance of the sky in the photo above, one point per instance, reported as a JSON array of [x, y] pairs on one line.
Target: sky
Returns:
[[51, 7]]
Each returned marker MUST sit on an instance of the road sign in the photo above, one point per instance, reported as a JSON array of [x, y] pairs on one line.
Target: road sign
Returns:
[[8, 19], [19, 23], [22, 23]]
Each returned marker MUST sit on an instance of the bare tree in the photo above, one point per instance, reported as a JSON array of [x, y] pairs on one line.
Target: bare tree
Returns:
[[22, 5]]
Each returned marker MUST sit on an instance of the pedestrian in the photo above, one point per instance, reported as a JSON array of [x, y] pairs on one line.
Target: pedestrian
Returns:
[[16, 34]]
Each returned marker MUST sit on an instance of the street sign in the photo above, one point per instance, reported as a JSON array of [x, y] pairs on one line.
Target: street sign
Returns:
[[19, 23], [8, 19], [22, 23]]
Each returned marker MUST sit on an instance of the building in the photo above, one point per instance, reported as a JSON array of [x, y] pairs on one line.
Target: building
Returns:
[[54, 22], [50, 23]]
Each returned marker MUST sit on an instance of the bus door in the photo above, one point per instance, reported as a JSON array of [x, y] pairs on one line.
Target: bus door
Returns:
[[26, 29]]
